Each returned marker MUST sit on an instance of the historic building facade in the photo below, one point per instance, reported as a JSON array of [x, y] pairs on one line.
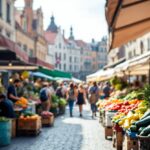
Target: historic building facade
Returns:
[[31, 23], [7, 21], [64, 52]]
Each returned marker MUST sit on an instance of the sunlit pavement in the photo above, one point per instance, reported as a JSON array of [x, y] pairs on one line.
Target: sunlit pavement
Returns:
[[67, 134]]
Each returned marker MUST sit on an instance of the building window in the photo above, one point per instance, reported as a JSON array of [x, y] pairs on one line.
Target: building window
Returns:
[[70, 67], [60, 56], [0, 8], [64, 67], [56, 65], [25, 48], [8, 34], [64, 56], [31, 53], [56, 55], [59, 45], [130, 55], [70, 59], [19, 44], [60, 66], [8, 13], [148, 44]]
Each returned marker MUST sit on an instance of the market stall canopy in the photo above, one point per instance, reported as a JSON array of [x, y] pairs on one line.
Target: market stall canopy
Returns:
[[93, 77], [136, 66], [55, 73], [106, 74], [127, 20], [76, 80], [42, 75]]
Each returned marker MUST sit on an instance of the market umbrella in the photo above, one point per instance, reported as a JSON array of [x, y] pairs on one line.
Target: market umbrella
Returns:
[[39, 74], [54, 73], [127, 20]]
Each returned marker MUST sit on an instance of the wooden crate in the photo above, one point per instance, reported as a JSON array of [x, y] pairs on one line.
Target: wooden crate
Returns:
[[29, 132], [48, 121], [117, 139], [108, 132], [130, 143], [144, 142], [29, 125], [13, 128]]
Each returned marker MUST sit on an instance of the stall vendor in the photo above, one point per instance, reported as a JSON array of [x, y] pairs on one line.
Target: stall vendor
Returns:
[[12, 91], [6, 107]]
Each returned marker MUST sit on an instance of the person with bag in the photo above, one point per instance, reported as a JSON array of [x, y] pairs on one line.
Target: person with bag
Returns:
[[71, 98], [44, 97], [59, 92], [93, 98], [81, 97]]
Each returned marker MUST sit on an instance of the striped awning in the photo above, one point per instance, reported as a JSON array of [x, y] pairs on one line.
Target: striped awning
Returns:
[[127, 20]]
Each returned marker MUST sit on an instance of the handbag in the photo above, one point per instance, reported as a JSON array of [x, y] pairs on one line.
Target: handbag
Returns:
[[92, 98]]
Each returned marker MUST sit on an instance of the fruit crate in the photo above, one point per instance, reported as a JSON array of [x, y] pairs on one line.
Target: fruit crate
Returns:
[[13, 128], [130, 143], [108, 132], [117, 139], [48, 121], [29, 126], [144, 143]]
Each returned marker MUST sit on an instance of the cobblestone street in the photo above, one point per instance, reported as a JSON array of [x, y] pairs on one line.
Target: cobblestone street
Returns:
[[67, 134]]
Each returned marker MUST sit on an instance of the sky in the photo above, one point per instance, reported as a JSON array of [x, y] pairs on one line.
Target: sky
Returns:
[[87, 17]]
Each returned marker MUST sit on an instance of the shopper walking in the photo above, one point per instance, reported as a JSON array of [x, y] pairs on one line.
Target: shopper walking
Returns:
[[93, 98], [81, 98], [45, 97], [71, 98]]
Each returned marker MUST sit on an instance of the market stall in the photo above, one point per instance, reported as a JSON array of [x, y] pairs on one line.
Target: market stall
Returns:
[[126, 119], [29, 115]]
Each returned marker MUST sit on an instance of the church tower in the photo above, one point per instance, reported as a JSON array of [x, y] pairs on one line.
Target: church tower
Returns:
[[52, 27], [71, 34]]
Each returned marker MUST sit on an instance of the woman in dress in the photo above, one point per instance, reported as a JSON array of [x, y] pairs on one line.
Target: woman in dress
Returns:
[[81, 98]]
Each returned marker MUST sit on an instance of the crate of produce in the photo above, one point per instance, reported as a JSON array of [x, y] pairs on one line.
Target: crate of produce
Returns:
[[144, 142], [47, 118], [13, 128], [117, 139], [108, 132], [130, 143], [29, 124]]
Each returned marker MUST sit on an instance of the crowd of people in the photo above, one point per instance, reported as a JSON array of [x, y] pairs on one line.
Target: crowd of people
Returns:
[[75, 94]]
